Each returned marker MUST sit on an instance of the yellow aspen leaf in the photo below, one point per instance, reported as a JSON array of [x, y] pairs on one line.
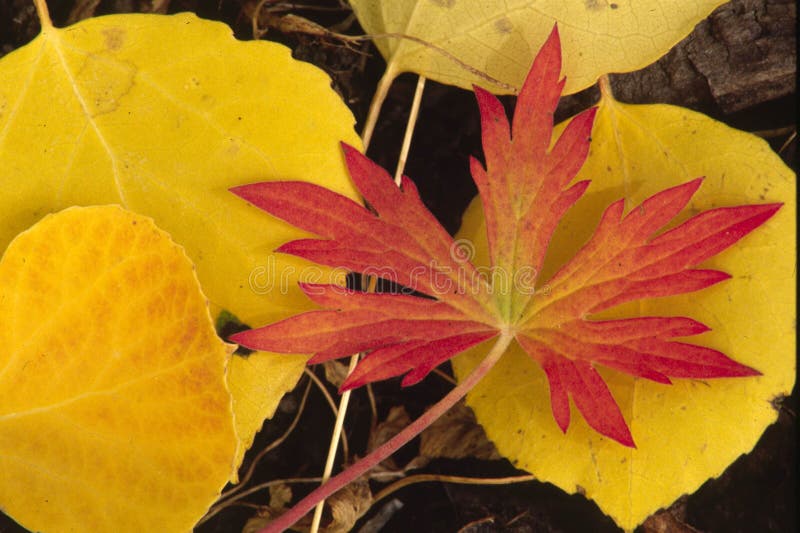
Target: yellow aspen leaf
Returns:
[[163, 114], [500, 38], [115, 414], [692, 430]]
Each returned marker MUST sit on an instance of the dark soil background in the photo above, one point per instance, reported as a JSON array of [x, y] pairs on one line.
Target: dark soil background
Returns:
[[738, 66]]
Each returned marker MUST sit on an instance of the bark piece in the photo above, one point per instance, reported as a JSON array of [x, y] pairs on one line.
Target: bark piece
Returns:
[[744, 54]]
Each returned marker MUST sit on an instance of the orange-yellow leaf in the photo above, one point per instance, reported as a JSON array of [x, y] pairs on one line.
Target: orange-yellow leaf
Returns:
[[114, 411], [691, 430]]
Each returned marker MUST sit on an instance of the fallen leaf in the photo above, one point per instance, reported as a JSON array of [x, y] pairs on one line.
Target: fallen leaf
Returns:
[[525, 191], [500, 38], [335, 372], [672, 520], [279, 496], [694, 429], [457, 435], [162, 114], [395, 421], [115, 414], [345, 507]]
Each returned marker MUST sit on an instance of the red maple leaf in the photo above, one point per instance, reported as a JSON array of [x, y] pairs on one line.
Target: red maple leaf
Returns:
[[525, 189]]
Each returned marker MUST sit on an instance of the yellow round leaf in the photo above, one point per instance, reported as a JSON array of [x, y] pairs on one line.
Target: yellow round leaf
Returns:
[[162, 114], [692, 430], [115, 415], [500, 37]]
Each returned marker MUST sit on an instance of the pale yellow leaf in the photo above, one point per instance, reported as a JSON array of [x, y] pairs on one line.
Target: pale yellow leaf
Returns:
[[500, 37], [692, 430], [114, 411]]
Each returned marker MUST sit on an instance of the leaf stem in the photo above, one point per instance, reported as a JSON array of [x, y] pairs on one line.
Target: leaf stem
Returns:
[[43, 14], [605, 87], [439, 50], [424, 478], [412, 121], [334, 445], [360, 467], [369, 127], [375, 106], [368, 285]]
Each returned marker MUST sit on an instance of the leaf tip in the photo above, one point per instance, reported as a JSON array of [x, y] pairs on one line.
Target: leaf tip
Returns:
[[348, 148], [244, 192], [353, 158], [239, 338], [589, 116], [348, 384], [621, 434], [554, 36], [771, 209], [316, 359], [299, 247], [745, 371], [562, 422], [415, 376], [475, 165], [629, 442], [551, 49]]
